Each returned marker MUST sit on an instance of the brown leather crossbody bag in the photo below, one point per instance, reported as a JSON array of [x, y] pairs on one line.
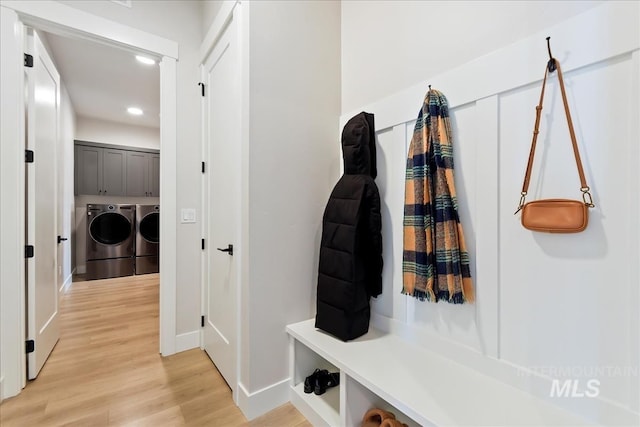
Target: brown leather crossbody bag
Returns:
[[555, 215]]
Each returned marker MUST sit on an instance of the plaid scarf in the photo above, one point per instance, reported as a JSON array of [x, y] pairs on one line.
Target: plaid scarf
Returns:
[[435, 259]]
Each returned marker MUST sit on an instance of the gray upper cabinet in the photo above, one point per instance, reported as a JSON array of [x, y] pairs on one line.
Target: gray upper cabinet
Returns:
[[108, 171], [100, 171], [154, 175], [113, 170], [137, 173], [89, 170], [143, 174]]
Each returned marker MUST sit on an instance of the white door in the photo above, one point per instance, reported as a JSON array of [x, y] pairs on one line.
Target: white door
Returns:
[[221, 202], [43, 91]]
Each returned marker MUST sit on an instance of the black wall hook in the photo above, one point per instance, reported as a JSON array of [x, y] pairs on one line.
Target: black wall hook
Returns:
[[551, 65], [429, 87]]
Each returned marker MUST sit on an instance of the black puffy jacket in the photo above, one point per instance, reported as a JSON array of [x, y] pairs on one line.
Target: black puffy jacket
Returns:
[[350, 268]]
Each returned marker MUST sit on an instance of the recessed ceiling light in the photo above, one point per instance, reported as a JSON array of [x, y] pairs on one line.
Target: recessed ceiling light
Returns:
[[145, 60], [134, 111]]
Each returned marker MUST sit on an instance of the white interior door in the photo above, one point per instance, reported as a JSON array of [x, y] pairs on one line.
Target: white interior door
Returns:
[[43, 90], [221, 202]]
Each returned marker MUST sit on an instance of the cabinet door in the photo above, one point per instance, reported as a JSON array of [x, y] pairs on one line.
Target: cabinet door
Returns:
[[136, 173], [113, 176], [76, 169], [89, 174], [154, 175]]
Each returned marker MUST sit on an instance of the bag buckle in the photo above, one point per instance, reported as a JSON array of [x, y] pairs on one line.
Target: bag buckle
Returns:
[[521, 203], [586, 197]]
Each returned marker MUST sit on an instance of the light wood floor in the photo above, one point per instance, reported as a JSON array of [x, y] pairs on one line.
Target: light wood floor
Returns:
[[106, 370]]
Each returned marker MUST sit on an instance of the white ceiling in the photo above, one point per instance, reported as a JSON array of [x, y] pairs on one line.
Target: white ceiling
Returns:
[[103, 81]]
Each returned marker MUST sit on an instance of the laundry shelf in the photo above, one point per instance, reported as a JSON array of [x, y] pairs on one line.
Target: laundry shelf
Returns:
[[424, 386]]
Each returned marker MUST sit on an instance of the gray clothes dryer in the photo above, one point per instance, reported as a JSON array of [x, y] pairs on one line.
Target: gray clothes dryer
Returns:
[[110, 241], [147, 238]]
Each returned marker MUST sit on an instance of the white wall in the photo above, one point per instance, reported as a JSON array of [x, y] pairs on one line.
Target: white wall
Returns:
[[66, 182], [545, 302], [209, 11], [179, 21], [293, 162], [389, 45], [96, 130]]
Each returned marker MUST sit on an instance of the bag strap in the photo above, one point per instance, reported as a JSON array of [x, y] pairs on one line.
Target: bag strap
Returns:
[[586, 195]]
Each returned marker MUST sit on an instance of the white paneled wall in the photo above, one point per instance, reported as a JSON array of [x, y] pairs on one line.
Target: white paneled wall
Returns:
[[564, 297], [549, 306], [390, 164]]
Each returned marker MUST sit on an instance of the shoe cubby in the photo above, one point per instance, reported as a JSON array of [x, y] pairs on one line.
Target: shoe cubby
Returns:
[[346, 404], [320, 410], [360, 399]]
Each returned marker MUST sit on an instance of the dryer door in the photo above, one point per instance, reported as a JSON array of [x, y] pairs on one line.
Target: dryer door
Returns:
[[150, 227], [110, 236], [148, 235], [110, 228]]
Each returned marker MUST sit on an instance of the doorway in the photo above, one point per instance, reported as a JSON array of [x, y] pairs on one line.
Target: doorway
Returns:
[[109, 221], [55, 18], [115, 95]]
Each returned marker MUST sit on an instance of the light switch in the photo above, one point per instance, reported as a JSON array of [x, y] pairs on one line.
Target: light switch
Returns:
[[188, 216]]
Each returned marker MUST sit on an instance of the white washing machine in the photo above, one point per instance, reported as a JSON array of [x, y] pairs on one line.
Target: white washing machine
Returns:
[[147, 239]]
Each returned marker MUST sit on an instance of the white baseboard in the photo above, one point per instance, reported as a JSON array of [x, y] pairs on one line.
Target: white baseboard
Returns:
[[187, 341], [67, 282], [81, 269], [264, 400], [1, 389]]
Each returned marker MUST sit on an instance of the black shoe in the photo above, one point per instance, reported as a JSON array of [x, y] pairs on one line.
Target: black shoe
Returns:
[[326, 380], [310, 381]]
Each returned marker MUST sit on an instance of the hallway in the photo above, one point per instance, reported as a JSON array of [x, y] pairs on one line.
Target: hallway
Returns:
[[106, 370]]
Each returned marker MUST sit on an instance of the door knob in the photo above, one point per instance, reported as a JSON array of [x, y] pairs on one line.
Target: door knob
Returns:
[[61, 239], [229, 249]]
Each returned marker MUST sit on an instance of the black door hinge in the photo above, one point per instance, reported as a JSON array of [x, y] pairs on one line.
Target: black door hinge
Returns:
[[201, 87], [31, 346], [28, 156], [28, 60], [203, 244], [202, 167], [28, 251], [202, 321]]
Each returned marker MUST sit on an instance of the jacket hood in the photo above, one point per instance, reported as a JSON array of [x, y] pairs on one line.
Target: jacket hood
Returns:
[[359, 146]]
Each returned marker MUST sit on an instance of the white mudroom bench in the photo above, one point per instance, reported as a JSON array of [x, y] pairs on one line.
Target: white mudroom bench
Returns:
[[420, 387]]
